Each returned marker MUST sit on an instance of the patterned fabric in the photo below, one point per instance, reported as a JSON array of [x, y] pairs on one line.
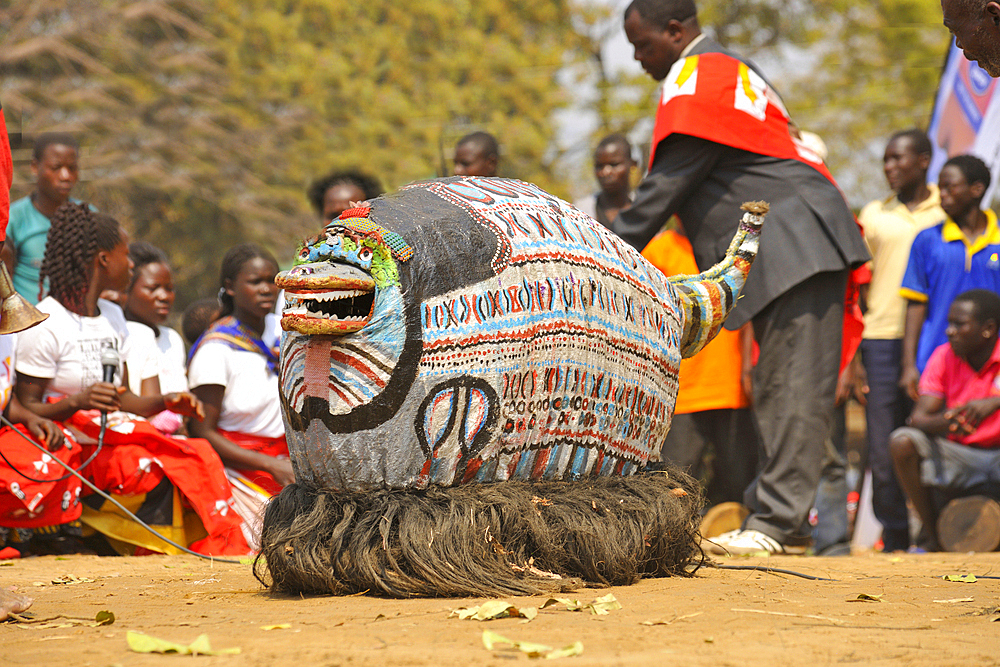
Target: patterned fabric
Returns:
[[399, 247], [522, 340], [755, 121], [135, 459], [710, 380], [42, 501], [236, 335]]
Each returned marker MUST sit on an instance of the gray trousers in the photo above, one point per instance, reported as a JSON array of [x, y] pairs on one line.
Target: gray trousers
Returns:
[[794, 387]]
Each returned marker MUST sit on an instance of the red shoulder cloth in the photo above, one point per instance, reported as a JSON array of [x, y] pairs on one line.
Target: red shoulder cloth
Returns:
[[6, 177], [716, 97]]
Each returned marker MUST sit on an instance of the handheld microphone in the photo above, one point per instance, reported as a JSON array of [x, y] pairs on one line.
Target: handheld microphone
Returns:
[[109, 361]]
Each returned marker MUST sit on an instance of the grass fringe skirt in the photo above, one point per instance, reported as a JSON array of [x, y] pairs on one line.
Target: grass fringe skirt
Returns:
[[508, 538]]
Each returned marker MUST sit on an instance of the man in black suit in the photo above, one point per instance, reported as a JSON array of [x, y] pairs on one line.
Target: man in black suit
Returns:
[[722, 137]]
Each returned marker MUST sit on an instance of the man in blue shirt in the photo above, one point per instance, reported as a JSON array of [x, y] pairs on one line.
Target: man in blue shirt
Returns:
[[960, 254], [54, 164]]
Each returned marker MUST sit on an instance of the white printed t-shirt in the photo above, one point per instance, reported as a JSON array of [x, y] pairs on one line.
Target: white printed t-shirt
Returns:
[[66, 348], [251, 403], [161, 355]]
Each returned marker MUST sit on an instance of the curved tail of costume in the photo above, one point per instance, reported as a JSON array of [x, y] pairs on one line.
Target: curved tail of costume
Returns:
[[708, 297]]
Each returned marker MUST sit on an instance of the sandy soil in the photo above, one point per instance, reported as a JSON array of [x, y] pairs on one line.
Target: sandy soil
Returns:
[[719, 617]]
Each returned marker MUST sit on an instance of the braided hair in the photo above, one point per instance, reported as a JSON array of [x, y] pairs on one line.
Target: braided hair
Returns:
[[76, 236], [232, 263]]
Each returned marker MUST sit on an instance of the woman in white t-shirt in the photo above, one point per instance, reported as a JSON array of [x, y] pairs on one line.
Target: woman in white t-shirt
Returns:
[[60, 376], [234, 373], [148, 300]]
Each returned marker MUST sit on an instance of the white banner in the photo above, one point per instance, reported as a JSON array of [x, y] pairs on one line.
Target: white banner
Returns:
[[966, 117]]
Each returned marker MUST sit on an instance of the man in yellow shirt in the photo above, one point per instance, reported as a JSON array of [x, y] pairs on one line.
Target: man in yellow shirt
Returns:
[[890, 226]]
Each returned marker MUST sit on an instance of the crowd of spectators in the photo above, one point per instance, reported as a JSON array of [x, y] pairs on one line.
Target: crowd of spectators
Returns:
[[195, 441]]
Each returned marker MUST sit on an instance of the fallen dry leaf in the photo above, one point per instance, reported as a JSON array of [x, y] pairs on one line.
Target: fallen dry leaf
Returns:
[[141, 643], [494, 609], [673, 620], [531, 649], [70, 579], [601, 606]]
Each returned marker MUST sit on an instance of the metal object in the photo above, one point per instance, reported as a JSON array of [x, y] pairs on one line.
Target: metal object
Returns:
[[16, 314]]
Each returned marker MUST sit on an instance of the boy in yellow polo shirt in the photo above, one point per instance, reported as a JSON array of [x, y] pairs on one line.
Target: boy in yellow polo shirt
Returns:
[[890, 225]]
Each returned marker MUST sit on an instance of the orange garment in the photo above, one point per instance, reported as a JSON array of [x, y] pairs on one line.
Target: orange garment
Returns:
[[710, 380]]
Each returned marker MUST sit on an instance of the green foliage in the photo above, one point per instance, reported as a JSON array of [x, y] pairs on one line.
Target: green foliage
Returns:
[[203, 121]]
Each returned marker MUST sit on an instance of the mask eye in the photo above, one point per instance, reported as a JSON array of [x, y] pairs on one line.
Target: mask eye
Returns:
[[304, 253], [365, 254]]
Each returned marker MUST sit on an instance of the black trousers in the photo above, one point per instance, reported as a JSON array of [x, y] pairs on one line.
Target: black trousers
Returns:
[[794, 387], [887, 409], [732, 434]]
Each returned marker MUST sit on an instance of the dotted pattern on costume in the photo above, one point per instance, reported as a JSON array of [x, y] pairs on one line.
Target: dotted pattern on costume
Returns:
[[561, 365], [399, 248]]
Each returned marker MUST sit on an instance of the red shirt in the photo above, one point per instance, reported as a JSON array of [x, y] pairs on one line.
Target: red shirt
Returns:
[[952, 379]]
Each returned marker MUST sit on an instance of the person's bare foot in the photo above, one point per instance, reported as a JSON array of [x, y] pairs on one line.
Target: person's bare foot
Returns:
[[12, 602]]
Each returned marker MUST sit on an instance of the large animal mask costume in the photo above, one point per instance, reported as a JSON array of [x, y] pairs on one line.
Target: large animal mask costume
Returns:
[[482, 334]]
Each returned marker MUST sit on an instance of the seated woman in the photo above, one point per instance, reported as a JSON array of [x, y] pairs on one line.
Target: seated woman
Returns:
[[235, 375], [59, 376], [148, 300], [35, 491]]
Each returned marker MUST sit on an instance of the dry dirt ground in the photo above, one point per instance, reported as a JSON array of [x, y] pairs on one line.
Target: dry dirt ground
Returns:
[[718, 617]]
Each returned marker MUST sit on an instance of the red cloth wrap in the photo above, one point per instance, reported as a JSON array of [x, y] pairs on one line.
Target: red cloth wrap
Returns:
[[6, 178], [276, 447], [28, 504], [709, 109], [134, 463]]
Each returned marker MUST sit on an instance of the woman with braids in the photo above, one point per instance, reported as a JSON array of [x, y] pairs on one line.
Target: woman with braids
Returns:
[[148, 300], [60, 376], [235, 375]]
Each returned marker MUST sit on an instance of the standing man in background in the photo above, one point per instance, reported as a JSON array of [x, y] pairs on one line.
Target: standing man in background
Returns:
[[477, 154], [613, 166], [794, 295], [55, 166], [890, 225]]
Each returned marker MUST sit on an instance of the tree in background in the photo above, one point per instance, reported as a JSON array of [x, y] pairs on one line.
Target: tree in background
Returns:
[[203, 121]]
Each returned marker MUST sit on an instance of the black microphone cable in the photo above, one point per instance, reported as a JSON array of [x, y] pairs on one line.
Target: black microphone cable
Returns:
[[101, 493]]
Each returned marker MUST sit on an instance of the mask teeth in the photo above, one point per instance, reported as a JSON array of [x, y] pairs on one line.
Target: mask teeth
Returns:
[[305, 312]]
